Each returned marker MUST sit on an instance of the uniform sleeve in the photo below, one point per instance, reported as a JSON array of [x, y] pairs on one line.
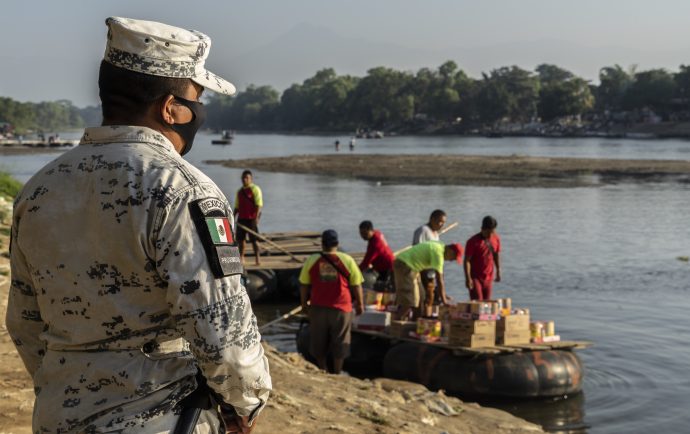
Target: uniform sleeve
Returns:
[[23, 319], [258, 197], [213, 314]]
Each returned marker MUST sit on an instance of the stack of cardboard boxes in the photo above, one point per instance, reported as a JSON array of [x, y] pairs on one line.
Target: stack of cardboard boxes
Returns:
[[471, 324], [513, 328]]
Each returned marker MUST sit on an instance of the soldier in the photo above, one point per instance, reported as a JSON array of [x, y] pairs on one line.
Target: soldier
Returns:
[[126, 295]]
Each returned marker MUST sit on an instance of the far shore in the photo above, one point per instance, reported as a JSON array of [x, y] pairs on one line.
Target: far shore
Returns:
[[500, 171]]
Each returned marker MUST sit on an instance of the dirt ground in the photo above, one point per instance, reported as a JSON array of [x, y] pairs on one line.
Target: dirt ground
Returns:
[[305, 400], [507, 171]]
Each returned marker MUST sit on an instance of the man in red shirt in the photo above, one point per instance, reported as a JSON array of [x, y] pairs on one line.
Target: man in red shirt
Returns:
[[248, 204], [379, 255], [481, 257], [329, 280]]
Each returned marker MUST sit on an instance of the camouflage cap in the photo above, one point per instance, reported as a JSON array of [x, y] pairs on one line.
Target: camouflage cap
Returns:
[[159, 49]]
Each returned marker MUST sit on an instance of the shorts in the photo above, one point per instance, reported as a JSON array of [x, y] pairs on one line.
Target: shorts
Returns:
[[329, 332], [481, 289], [406, 287], [242, 234]]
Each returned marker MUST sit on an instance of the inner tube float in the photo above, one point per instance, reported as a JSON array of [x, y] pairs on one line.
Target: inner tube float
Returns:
[[524, 374], [260, 284], [366, 353]]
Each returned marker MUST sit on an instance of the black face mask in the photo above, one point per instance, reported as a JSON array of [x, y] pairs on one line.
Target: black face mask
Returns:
[[188, 131]]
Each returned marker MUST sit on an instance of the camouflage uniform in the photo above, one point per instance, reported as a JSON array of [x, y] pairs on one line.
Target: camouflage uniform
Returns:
[[113, 303]]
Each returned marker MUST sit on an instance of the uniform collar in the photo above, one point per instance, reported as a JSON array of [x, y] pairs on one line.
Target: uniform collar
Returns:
[[125, 134]]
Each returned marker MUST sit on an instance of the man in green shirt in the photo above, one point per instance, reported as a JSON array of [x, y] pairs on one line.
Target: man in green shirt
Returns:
[[428, 255]]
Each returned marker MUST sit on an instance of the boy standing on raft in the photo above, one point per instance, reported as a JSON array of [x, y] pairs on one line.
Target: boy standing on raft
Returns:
[[481, 257], [248, 204], [328, 280], [429, 255]]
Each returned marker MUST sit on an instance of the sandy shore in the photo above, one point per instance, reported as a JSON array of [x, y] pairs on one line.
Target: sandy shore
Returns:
[[305, 400], [508, 171]]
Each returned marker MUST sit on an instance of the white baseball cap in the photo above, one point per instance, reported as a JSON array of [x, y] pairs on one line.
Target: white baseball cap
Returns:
[[159, 49]]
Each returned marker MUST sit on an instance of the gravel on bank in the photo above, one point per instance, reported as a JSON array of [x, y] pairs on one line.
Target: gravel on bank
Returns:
[[504, 171]]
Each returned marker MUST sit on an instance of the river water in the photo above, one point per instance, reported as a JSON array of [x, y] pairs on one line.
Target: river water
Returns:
[[600, 261]]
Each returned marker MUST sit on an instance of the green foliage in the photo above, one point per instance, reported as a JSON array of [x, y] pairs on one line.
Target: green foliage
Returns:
[[9, 187], [43, 116], [654, 89], [561, 93], [614, 83], [508, 92]]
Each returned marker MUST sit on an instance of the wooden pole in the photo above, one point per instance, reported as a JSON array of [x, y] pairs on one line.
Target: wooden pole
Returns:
[[294, 311], [270, 242], [443, 231]]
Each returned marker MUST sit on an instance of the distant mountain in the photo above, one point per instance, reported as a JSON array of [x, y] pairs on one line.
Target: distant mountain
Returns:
[[306, 48]]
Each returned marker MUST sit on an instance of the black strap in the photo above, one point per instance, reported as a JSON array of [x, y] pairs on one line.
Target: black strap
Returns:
[[343, 273]]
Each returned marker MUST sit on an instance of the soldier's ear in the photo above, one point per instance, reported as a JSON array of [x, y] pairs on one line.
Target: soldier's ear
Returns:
[[167, 108]]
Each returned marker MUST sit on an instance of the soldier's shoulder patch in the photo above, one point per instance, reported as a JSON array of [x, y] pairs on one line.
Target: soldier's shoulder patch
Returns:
[[213, 221]]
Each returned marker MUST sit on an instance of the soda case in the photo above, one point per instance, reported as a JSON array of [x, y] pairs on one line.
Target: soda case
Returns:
[[543, 331], [429, 327], [377, 321]]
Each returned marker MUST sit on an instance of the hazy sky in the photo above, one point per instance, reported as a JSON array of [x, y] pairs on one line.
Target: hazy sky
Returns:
[[50, 49]]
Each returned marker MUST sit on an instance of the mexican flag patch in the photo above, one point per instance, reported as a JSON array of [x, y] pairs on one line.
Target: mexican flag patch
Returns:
[[220, 231]]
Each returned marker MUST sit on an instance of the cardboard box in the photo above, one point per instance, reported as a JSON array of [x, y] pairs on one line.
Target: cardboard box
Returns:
[[473, 340], [372, 321], [513, 323], [474, 316], [513, 337], [401, 329], [474, 326]]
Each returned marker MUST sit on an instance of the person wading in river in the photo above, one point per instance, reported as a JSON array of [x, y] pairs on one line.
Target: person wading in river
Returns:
[[126, 304], [328, 281], [481, 259]]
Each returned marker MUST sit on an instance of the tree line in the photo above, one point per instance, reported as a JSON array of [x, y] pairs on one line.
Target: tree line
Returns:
[[45, 116], [386, 98], [389, 99]]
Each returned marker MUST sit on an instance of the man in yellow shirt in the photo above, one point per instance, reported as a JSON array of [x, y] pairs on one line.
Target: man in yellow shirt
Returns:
[[329, 280], [428, 255]]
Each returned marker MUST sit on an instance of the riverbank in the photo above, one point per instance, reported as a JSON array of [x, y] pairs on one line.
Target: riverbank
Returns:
[[305, 399], [508, 171]]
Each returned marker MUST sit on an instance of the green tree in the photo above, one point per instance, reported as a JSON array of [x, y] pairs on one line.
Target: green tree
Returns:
[[383, 97], [508, 92], [614, 82], [652, 89]]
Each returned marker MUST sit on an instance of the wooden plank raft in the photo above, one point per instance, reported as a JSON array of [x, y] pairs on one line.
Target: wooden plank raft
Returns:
[[498, 349], [284, 262]]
